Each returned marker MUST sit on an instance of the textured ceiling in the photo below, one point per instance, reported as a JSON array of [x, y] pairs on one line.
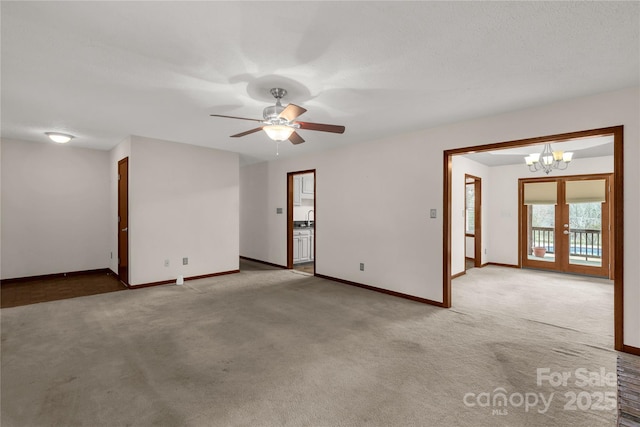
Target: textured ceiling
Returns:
[[106, 70]]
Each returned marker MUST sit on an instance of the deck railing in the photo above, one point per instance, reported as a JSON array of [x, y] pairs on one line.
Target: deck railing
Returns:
[[582, 242]]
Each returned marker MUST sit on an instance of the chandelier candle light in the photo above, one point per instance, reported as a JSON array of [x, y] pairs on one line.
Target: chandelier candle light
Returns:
[[548, 160]]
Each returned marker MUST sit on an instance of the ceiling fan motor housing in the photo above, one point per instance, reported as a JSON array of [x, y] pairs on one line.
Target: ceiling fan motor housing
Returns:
[[272, 112]]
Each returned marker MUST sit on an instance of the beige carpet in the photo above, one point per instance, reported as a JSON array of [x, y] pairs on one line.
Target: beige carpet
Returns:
[[272, 347]]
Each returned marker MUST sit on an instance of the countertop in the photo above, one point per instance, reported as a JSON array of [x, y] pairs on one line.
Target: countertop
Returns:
[[302, 225]]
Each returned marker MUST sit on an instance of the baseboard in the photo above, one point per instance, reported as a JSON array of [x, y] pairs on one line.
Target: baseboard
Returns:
[[497, 264], [168, 282], [263, 262], [56, 275], [384, 291], [631, 350], [462, 273]]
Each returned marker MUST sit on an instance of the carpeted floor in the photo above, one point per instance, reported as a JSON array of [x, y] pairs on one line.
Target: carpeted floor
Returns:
[[269, 347]]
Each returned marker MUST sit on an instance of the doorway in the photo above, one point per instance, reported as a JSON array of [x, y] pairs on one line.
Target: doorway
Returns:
[[565, 224], [123, 220], [617, 212], [301, 221], [473, 221]]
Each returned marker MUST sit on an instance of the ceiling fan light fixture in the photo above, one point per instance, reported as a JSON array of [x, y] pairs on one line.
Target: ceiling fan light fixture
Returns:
[[60, 138], [278, 132]]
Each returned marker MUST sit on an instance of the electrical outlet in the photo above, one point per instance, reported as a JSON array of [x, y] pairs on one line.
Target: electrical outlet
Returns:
[[278, 211], [362, 266], [433, 213], [166, 263], [185, 261]]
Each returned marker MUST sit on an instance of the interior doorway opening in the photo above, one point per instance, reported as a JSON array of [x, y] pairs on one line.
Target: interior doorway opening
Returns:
[[616, 211], [301, 221], [473, 221]]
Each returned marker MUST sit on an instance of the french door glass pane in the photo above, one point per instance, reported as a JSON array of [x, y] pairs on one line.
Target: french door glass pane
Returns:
[[585, 234], [541, 232]]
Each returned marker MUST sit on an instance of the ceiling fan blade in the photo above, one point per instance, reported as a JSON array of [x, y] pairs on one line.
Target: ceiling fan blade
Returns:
[[291, 112], [321, 127], [295, 138], [249, 132], [234, 117]]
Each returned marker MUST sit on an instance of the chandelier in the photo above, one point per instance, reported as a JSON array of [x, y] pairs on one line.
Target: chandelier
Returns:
[[548, 160]]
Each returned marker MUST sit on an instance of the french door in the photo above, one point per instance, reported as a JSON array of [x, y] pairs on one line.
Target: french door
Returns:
[[565, 224]]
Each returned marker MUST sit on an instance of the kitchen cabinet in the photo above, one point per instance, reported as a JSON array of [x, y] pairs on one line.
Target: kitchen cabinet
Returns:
[[297, 190], [307, 184], [302, 245], [302, 189], [296, 248]]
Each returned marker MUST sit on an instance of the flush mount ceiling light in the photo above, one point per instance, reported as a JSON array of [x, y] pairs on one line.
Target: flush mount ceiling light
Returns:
[[60, 138], [548, 160]]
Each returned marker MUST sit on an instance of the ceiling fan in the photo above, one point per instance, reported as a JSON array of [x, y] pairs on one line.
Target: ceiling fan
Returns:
[[280, 123]]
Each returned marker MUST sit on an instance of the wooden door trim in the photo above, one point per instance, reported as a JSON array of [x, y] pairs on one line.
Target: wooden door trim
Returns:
[[617, 232], [618, 209], [290, 176], [125, 280], [477, 219]]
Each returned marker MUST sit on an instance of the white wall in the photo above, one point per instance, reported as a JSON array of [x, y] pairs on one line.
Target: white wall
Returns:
[[1, 276], [502, 203], [470, 248], [258, 214], [183, 202], [373, 199], [461, 166], [55, 209]]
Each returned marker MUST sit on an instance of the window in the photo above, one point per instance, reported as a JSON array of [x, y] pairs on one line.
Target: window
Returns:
[[470, 213]]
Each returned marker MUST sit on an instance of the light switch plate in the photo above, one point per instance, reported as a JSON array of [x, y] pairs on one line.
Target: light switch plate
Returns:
[[278, 211], [433, 213]]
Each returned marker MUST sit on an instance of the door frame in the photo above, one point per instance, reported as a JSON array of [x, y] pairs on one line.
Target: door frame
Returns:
[[561, 262], [290, 176], [617, 209], [477, 219], [123, 269]]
